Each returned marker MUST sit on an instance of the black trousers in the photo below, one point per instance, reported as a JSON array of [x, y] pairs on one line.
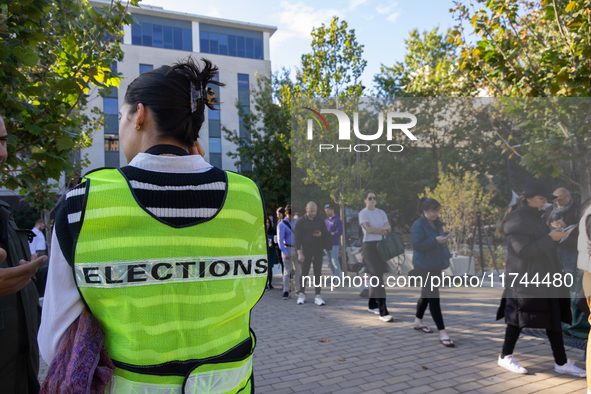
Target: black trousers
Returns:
[[375, 267], [315, 259], [429, 297], [555, 337]]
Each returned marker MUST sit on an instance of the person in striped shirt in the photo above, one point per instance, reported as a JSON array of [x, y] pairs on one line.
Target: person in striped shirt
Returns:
[[159, 124]]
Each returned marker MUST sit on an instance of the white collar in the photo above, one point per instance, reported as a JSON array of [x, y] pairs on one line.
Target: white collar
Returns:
[[189, 163]]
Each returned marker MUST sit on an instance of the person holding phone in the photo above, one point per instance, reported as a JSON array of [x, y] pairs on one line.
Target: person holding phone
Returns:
[[311, 239], [430, 257], [531, 250]]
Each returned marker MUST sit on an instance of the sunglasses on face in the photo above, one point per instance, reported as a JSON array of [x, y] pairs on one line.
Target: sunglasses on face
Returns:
[[371, 198]]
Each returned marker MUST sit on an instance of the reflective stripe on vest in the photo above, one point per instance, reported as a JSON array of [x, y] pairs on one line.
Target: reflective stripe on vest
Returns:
[[171, 297], [219, 381]]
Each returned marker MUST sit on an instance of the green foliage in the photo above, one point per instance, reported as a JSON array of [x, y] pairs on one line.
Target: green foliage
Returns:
[[52, 52], [534, 49], [430, 69], [461, 196], [332, 69], [335, 65], [269, 131]]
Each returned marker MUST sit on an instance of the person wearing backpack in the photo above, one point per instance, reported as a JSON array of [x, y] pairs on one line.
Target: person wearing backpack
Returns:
[[430, 257], [284, 241]]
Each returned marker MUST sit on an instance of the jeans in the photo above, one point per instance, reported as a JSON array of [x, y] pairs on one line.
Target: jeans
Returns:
[[568, 259], [287, 270], [333, 260]]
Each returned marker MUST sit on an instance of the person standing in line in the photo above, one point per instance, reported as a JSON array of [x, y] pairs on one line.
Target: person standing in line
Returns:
[[531, 250], [334, 225], [375, 225], [284, 241], [564, 212], [272, 251], [19, 301], [37, 245], [584, 263], [311, 238], [430, 257]]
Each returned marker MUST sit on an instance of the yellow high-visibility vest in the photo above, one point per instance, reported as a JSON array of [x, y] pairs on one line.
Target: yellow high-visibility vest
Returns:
[[174, 302]]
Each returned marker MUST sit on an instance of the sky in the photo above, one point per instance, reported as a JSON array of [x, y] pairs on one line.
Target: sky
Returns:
[[381, 26]]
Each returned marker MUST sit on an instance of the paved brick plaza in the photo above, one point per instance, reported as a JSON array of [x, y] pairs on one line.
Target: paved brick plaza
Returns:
[[365, 355]]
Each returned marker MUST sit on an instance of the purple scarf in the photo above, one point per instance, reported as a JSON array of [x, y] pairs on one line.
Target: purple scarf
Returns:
[[82, 364]]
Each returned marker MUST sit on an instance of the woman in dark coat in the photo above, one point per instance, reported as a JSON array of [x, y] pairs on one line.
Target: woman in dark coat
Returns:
[[531, 251]]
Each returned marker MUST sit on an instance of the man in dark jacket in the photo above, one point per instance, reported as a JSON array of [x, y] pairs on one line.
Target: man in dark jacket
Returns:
[[564, 212], [311, 238], [19, 302]]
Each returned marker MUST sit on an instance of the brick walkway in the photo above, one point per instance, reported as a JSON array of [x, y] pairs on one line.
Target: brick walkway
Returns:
[[366, 355]]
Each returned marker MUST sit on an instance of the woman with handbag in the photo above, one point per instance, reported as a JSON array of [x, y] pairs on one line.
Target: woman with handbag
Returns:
[[375, 225], [430, 257]]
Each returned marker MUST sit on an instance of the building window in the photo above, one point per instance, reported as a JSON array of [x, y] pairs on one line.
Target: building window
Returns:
[[111, 129], [145, 67], [111, 142], [244, 98], [231, 42], [215, 130], [158, 32]]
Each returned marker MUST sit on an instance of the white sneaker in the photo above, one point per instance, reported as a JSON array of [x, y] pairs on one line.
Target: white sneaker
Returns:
[[376, 311], [509, 363], [301, 299], [319, 301], [570, 369], [386, 318]]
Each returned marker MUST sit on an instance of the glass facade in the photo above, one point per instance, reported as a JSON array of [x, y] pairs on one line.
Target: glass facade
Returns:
[[145, 67], [215, 130], [158, 32], [244, 98], [231, 42], [111, 113]]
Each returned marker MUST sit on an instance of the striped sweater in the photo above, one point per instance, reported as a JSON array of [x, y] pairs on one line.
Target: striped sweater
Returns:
[[177, 199]]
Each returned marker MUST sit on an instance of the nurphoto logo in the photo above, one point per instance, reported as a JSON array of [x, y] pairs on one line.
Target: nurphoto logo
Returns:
[[345, 130]]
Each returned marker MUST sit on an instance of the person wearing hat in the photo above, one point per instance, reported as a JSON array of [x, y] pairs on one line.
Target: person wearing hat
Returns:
[[334, 225], [531, 251]]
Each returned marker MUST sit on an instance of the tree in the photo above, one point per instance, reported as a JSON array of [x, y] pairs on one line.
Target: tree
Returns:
[[52, 52], [430, 69], [268, 128], [335, 65], [332, 69], [460, 196], [430, 84], [534, 49]]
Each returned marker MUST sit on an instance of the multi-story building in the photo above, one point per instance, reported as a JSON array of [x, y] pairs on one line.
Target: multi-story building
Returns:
[[239, 49]]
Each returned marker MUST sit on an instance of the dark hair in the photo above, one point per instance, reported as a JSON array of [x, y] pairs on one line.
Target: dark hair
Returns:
[[366, 193], [166, 91], [281, 210], [522, 200], [288, 209], [40, 221], [270, 229], [428, 204]]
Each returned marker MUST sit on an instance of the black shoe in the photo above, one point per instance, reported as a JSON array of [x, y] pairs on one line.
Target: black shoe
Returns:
[[286, 295], [270, 287]]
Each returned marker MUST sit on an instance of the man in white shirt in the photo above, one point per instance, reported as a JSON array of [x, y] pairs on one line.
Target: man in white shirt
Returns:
[[37, 245]]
